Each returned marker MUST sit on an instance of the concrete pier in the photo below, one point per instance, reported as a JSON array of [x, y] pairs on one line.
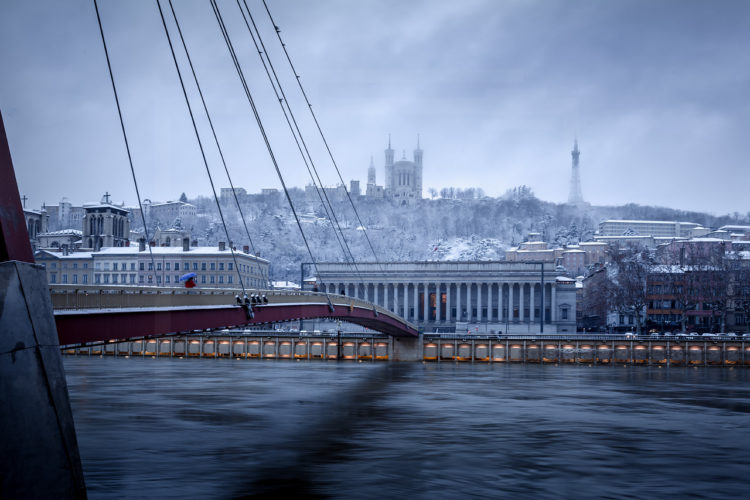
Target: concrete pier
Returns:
[[38, 452]]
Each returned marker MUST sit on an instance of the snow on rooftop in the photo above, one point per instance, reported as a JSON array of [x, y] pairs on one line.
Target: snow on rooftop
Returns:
[[133, 249], [628, 221], [62, 232]]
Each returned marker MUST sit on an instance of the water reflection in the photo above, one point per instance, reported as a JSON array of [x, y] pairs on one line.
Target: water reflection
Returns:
[[234, 429]]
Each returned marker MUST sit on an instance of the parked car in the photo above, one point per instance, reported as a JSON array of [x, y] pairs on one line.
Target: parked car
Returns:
[[709, 335]]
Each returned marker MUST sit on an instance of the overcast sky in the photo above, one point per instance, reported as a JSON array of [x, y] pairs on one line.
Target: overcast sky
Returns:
[[656, 92]]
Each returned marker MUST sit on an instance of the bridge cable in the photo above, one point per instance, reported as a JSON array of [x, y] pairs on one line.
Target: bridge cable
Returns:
[[203, 154], [294, 127], [320, 130], [213, 131], [125, 137], [259, 121]]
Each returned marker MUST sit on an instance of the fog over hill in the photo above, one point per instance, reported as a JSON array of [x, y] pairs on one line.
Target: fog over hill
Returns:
[[433, 229]]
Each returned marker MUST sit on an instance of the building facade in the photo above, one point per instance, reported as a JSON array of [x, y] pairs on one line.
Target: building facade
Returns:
[[105, 225], [475, 296], [215, 267], [655, 228], [66, 268]]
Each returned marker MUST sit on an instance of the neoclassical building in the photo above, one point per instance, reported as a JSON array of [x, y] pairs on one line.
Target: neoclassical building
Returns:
[[479, 296]]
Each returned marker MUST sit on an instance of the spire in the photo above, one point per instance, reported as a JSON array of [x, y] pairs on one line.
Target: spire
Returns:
[[418, 141], [389, 140], [372, 162]]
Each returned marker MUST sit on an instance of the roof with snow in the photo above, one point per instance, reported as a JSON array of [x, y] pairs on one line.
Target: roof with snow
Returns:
[[61, 255], [63, 232], [194, 251]]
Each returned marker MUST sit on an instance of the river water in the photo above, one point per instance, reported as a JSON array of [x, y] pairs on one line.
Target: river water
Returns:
[[222, 428]]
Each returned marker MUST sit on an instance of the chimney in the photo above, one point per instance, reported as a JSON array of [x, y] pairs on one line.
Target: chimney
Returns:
[[141, 244], [222, 246], [185, 244], [246, 248]]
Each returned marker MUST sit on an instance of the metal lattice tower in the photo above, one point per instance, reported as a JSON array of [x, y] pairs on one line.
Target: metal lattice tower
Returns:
[[576, 196]]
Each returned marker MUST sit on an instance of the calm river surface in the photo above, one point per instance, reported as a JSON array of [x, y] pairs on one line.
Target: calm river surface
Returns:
[[221, 428]]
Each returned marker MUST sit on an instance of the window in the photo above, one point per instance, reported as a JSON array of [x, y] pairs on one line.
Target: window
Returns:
[[85, 265], [229, 266], [75, 279], [221, 266], [167, 266], [53, 265], [140, 279], [132, 266], [114, 278], [230, 279], [213, 279], [213, 266], [564, 313], [132, 279], [221, 279], [166, 279], [203, 279], [195, 266], [158, 266], [75, 265], [176, 266], [140, 266], [106, 279], [65, 279], [150, 266], [123, 278], [53, 277], [85, 279], [176, 278], [203, 266], [114, 266], [158, 279]]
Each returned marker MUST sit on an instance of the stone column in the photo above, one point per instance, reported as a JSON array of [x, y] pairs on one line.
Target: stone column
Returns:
[[500, 302], [395, 298], [458, 301], [448, 318], [521, 316], [426, 300], [437, 302], [553, 305], [531, 303], [385, 296], [479, 303], [415, 316]]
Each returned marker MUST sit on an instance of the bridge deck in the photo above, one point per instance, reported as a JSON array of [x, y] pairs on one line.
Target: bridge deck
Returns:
[[96, 313]]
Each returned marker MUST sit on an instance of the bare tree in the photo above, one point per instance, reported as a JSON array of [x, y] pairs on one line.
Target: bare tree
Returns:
[[628, 273]]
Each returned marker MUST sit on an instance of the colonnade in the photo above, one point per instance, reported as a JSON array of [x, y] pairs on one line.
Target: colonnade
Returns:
[[441, 302]]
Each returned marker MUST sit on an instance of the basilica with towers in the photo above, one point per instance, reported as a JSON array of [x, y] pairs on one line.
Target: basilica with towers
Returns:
[[403, 178]]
